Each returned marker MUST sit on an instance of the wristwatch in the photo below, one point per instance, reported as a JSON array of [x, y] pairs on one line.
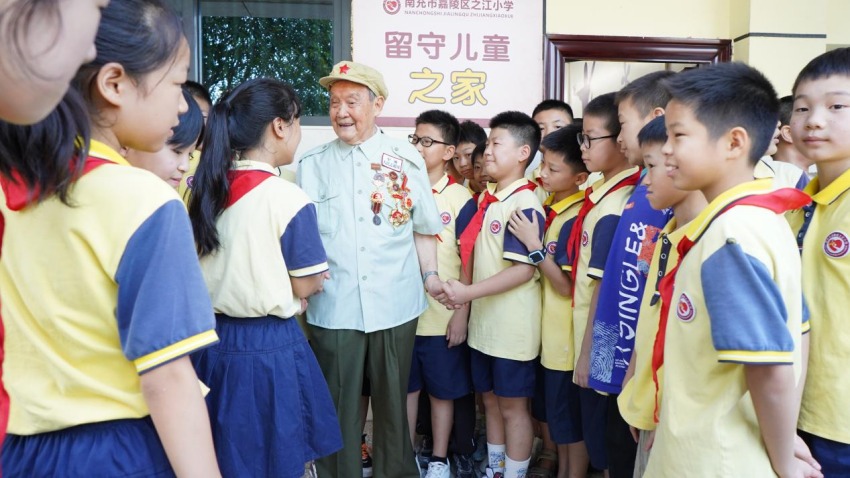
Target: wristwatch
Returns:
[[428, 274], [536, 257]]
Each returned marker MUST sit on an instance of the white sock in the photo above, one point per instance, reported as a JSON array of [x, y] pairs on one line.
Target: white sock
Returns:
[[496, 457], [516, 469]]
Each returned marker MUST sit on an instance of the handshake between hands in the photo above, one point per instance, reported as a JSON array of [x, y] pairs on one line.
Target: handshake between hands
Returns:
[[452, 293]]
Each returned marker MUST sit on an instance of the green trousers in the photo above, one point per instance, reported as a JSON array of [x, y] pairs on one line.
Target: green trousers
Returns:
[[385, 356]]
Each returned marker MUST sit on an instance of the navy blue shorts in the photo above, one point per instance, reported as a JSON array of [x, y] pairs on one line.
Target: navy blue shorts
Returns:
[[504, 377], [593, 409], [563, 417], [538, 401], [833, 456], [270, 409], [443, 371], [114, 448]]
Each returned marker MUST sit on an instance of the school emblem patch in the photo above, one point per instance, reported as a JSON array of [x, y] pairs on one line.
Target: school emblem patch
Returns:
[[446, 218], [836, 244], [551, 247], [495, 227], [685, 308], [584, 238]]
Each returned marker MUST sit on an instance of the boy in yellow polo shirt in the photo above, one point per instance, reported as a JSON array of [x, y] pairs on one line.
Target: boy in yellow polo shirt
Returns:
[[820, 126], [504, 323], [440, 356], [587, 252], [638, 398], [730, 338], [561, 174]]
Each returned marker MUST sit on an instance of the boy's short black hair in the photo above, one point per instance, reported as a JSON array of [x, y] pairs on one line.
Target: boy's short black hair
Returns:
[[524, 129], [729, 95], [647, 92], [443, 121], [654, 132], [198, 91], [563, 141], [478, 152], [786, 106], [605, 107], [546, 105], [472, 132], [834, 62]]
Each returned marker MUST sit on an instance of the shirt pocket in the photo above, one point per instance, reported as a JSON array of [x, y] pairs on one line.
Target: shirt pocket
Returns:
[[325, 199]]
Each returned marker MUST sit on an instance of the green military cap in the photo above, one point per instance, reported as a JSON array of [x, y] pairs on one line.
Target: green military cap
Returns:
[[357, 73]]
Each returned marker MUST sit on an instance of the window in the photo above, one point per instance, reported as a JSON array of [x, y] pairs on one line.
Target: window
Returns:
[[296, 41]]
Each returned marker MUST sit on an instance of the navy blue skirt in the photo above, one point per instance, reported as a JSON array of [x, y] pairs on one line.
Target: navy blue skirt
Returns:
[[270, 409], [127, 448]]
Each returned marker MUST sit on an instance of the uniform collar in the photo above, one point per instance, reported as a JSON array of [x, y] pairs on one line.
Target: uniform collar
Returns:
[[102, 151], [442, 184], [698, 226], [764, 168], [565, 203], [602, 190], [243, 164], [505, 193], [830, 193], [370, 147]]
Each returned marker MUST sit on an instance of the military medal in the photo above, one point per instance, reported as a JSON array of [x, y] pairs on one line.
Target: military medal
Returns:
[[396, 187]]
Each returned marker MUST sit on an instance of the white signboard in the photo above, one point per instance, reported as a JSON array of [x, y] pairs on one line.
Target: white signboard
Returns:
[[472, 58]]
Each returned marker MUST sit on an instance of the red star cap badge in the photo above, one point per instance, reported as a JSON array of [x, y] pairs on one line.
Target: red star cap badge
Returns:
[[343, 69]]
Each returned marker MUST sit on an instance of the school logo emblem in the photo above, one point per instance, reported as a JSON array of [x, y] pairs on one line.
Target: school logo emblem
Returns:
[[836, 244], [446, 218], [550, 248], [495, 227], [392, 6], [584, 238], [685, 308]]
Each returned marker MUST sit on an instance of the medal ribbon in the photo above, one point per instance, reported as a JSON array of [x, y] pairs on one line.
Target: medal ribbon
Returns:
[[778, 201]]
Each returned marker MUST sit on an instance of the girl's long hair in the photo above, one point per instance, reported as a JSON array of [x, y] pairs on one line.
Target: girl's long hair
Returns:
[[236, 124]]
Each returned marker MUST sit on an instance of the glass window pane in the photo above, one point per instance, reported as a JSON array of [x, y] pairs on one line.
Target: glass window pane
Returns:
[[295, 50]]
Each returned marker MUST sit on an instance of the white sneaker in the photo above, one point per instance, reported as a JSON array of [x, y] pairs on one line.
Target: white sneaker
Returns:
[[438, 469]]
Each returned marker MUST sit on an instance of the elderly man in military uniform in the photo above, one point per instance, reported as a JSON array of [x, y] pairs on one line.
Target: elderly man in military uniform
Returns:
[[377, 219]]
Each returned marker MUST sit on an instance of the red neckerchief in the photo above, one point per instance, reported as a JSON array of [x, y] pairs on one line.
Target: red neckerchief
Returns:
[[778, 201], [470, 234], [242, 181], [551, 214], [574, 241], [17, 194]]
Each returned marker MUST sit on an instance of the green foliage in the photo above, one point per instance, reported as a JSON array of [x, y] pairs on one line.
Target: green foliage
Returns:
[[297, 51]]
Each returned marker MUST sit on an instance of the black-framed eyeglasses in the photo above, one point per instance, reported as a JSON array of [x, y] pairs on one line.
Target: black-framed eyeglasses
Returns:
[[426, 141], [584, 140]]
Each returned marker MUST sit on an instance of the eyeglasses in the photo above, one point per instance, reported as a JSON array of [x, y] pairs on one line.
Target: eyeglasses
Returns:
[[584, 140], [425, 140]]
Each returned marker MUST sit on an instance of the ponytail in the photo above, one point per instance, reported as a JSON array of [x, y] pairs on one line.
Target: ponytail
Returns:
[[210, 187], [236, 124]]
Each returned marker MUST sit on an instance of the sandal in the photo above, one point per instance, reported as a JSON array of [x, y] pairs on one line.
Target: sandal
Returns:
[[539, 470]]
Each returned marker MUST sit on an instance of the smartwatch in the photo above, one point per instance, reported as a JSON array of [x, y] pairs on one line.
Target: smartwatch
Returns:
[[536, 257]]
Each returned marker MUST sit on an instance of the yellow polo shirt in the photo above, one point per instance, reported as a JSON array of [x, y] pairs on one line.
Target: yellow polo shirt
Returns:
[[450, 199], [737, 302], [556, 350], [506, 325], [826, 287], [596, 236]]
